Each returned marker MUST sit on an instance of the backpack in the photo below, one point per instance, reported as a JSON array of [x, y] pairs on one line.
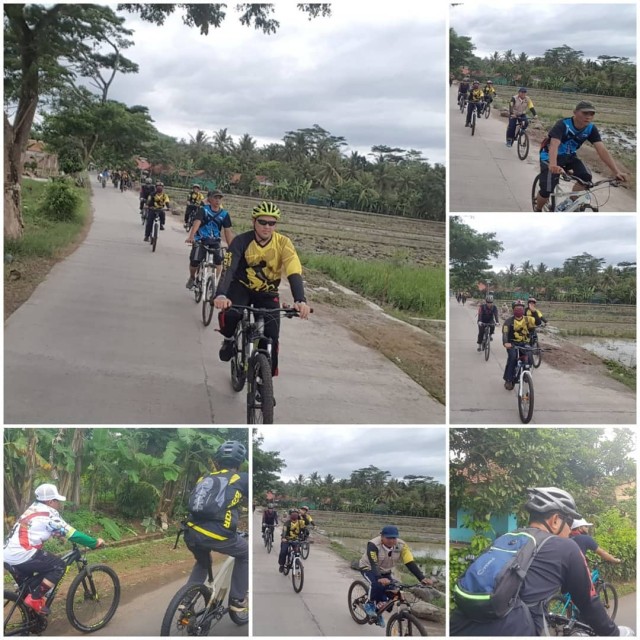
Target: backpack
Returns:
[[489, 589], [207, 499]]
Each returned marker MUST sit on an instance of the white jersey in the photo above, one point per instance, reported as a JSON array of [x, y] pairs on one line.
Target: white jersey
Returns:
[[36, 525]]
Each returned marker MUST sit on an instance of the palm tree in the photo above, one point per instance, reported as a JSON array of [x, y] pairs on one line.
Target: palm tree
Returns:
[[223, 142]]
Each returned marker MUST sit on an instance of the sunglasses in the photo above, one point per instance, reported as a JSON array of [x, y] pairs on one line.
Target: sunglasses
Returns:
[[217, 197], [265, 223], [589, 113]]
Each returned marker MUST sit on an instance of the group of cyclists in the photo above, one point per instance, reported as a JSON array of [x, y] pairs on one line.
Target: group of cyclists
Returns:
[[295, 528], [120, 178], [475, 97]]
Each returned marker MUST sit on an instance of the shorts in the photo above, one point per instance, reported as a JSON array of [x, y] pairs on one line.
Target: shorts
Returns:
[[549, 181], [199, 252]]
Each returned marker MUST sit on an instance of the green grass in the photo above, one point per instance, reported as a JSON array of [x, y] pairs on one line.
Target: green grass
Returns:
[[404, 287], [597, 332], [44, 238], [619, 372]]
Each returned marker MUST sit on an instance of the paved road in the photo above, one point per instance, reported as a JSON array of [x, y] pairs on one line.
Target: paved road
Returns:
[[113, 337], [487, 176], [627, 607], [320, 609], [477, 395]]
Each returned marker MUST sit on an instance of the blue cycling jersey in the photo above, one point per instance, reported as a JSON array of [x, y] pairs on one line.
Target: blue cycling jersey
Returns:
[[211, 222], [571, 138]]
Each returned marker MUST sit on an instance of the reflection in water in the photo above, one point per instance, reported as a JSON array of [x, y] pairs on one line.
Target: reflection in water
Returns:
[[617, 349]]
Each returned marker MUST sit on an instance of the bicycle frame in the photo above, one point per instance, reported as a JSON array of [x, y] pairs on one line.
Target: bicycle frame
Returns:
[[219, 585]]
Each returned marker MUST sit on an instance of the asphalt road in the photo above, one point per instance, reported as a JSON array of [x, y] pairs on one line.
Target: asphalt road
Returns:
[[113, 337], [477, 394], [627, 607], [488, 176]]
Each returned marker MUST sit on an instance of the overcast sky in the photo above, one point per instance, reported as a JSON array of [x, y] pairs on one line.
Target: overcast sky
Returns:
[[372, 72], [341, 450], [553, 239], [594, 29]]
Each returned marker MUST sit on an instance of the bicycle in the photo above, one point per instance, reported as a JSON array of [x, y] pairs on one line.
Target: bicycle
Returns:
[[268, 537], [487, 109], [251, 363], [567, 626], [305, 544], [462, 103], [536, 356], [486, 338], [143, 213], [196, 607], [584, 200], [293, 564], [103, 181], [192, 210], [206, 280], [155, 229], [524, 379], [521, 137], [474, 118], [401, 623], [92, 599]]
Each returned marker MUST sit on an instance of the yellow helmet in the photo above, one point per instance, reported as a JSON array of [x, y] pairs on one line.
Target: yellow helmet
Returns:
[[266, 209]]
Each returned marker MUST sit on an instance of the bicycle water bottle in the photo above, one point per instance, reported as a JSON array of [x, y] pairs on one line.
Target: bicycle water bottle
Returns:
[[565, 204]]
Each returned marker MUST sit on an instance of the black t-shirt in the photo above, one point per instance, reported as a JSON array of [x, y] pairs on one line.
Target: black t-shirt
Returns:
[[585, 542]]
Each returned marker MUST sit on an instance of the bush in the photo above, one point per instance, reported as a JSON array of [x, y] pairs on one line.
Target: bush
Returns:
[[136, 500], [60, 202], [616, 534]]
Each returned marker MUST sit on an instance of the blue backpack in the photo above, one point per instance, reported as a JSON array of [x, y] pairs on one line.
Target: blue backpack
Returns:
[[490, 587]]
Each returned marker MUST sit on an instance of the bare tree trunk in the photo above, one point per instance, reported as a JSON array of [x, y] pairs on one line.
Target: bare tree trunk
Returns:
[[13, 223], [26, 496]]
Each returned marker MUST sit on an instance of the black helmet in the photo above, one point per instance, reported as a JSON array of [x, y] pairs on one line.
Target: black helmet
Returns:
[[231, 453], [545, 499], [489, 298]]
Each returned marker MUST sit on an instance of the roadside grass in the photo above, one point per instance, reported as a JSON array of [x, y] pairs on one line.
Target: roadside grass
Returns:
[[626, 375], [599, 332]]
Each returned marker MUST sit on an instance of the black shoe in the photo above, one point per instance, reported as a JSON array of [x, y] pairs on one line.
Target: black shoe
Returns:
[[227, 350], [281, 568], [467, 125], [146, 239], [161, 227], [479, 347]]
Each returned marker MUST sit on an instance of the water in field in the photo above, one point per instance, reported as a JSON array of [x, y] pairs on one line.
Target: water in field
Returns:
[[617, 349], [421, 550]]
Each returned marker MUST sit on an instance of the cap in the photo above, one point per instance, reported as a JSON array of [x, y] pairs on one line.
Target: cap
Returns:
[[46, 492], [581, 523], [523, 89], [390, 531], [217, 192], [585, 105]]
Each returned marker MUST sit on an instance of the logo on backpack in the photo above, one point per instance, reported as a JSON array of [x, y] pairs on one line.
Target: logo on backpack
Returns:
[[207, 499], [490, 587]]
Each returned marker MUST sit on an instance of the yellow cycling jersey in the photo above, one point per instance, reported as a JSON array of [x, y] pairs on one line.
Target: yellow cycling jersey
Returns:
[[158, 200], [196, 197], [292, 529], [489, 91], [476, 95], [518, 329]]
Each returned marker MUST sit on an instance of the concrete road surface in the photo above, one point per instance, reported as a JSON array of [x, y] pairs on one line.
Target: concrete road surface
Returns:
[[477, 394], [488, 176], [320, 609], [627, 611], [113, 337]]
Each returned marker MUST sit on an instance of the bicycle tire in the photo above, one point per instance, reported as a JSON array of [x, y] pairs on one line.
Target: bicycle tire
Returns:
[[305, 549], [609, 598], [551, 202], [19, 622], [269, 542], [297, 575], [238, 373], [207, 307], [487, 110], [473, 122], [536, 357], [239, 618], [197, 286], [487, 344], [462, 106], [154, 237], [92, 597], [523, 147], [588, 207], [404, 623], [356, 599], [188, 619], [525, 398], [260, 395]]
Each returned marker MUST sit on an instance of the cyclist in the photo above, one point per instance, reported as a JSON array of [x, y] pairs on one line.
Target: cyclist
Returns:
[[23, 549], [219, 534], [308, 521], [158, 200], [377, 563], [518, 107], [580, 535], [559, 149], [291, 532], [489, 92], [207, 228], [558, 566], [194, 201], [516, 332], [463, 88], [476, 101], [253, 267], [124, 180], [269, 518], [115, 178], [487, 313], [145, 191]]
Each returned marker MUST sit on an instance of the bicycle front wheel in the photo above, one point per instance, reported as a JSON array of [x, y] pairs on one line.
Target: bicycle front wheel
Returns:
[[609, 598], [473, 122], [238, 373], [197, 287], [536, 356], [523, 145], [185, 615], [260, 392], [487, 110], [16, 615], [297, 575], [487, 345], [357, 598], [93, 598], [154, 237], [207, 307], [404, 623], [269, 542], [525, 398], [305, 547]]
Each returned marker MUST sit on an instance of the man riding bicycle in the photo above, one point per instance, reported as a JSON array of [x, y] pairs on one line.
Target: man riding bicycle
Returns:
[[558, 152], [558, 565], [580, 535], [489, 92], [291, 532], [194, 201], [23, 548], [476, 101], [463, 89], [156, 202], [146, 190], [207, 228], [308, 521], [253, 266], [203, 534], [518, 107], [377, 563], [516, 332], [487, 314], [269, 518]]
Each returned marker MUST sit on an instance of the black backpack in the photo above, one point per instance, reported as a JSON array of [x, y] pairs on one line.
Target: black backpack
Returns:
[[489, 589], [207, 500]]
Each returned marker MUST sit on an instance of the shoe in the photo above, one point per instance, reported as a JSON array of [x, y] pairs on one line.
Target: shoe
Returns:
[[467, 125], [238, 605], [37, 604], [146, 239], [380, 620], [491, 338], [508, 386], [370, 609], [227, 350], [479, 347], [509, 144], [161, 227], [281, 568], [190, 283]]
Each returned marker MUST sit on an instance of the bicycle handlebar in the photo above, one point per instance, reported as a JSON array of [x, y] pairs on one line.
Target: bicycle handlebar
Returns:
[[289, 312]]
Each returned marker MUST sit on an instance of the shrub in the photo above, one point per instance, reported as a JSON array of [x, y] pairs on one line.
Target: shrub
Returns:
[[60, 202], [136, 500]]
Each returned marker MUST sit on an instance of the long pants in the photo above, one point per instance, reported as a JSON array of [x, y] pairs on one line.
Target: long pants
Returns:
[[511, 127], [237, 548], [377, 590], [150, 217], [492, 329], [512, 361], [474, 105]]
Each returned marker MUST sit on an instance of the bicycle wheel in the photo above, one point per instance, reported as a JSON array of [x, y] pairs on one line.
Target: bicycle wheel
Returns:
[[487, 110], [16, 622], [207, 307], [536, 356], [238, 374], [239, 617], [609, 598], [197, 286], [525, 398], [93, 598], [305, 547], [523, 145], [154, 236], [260, 392], [487, 344], [462, 106], [473, 122], [404, 623], [269, 541], [357, 598], [588, 207], [297, 575], [185, 615]]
